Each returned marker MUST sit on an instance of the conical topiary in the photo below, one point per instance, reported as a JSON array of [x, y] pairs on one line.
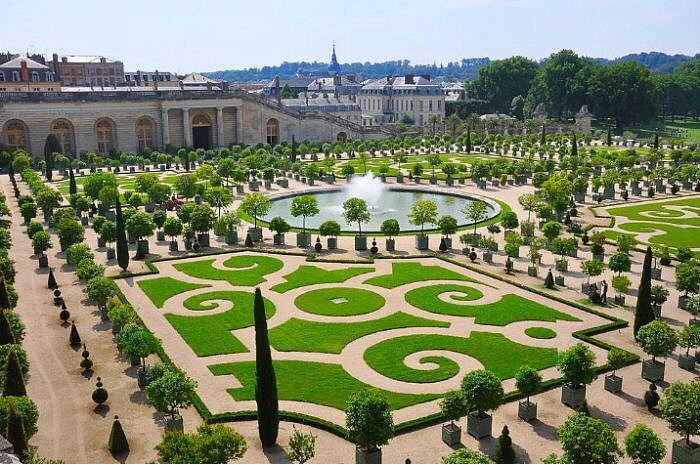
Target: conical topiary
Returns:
[[117, 439], [16, 434], [122, 244], [5, 302], [248, 241], [53, 285], [72, 187], [99, 395], [74, 338], [6, 335], [57, 298], [14, 379], [86, 363], [265, 381], [644, 313], [504, 452], [549, 280], [443, 245]]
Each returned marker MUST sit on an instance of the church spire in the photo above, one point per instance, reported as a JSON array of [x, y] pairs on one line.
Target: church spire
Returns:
[[334, 68]]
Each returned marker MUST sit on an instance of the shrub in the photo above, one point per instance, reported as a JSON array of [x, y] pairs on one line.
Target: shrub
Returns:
[[600, 442], [76, 253], [368, 419], [140, 225], [70, 232], [482, 391], [681, 408], [577, 365], [504, 452], [100, 289], [651, 397], [390, 228], [279, 225], [88, 268], [643, 446], [329, 229], [657, 338], [466, 456], [33, 228], [212, 444]]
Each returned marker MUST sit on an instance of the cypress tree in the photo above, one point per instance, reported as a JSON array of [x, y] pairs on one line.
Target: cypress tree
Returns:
[[656, 141], [293, 153], [504, 452], [543, 137], [574, 146], [469, 141], [117, 439], [51, 146], [122, 244], [186, 161], [5, 302], [6, 335], [14, 379], [72, 187], [53, 285], [265, 382], [609, 137], [643, 313], [248, 241], [16, 434]]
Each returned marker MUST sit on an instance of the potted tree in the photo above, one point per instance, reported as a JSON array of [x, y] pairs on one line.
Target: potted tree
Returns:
[[551, 230], [616, 360], [659, 295], [577, 367], [355, 210], [688, 338], [140, 226], [390, 228], [681, 410], [535, 255], [304, 206], [41, 241], [159, 218], [621, 284], [330, 229], [483, 392], [513, 243], [157, 195], [528, 382], [448, 226], [201, 221], [476, 212], [170, 393], [597, 248], [48, 199], [119, 313], [227, 226], [28, 211], [172, 227], [422, 212], [142, 184], [279, 226], [453, 406], [592, 268], [656, 338], [255, 205], [563, 247], [369, 424]]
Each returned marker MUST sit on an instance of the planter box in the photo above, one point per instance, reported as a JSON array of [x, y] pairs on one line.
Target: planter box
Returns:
[[449, 182], [141, 248], [149, 207], [174, 424], [160, 235], [613, 384], [451, 434], [255, 233], [559, 280], [188, 244], [84, 221], [332, 243], [278, 239], [43, 261], [683, 454], [532, 271], [600, 257], [100, 242], [368, 457], [572, 397], [303, 240], [284, 183], [135, 360], [103, 313], [239, 189], [253, 186], [203, 240], [460, 181], [479, 427], [421, 242], [620, 300], [579, 197], [416, 179], [683, 302], [231, 237], [268, 184], [360, 242], [399, 178], [141, 375], [657, 310], [311, 181], [487, 257], [173, 246], [390, 244], [686, 362], [433, 181], [656, 273], [653, 371], [527, 411]]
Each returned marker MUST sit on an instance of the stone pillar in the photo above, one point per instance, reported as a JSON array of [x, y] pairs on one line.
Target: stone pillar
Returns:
[[239, 125], [165, 127], [220, 126], [187, 127]]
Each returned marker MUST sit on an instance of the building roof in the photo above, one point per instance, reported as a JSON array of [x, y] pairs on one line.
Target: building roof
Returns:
[[321, 102], [328, 83], [86, 59], [295, 82], [196, 78], [17, 63], [398, 81], [495, 115]]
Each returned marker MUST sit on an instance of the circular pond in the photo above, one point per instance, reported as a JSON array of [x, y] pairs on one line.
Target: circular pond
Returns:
[[387, 204]]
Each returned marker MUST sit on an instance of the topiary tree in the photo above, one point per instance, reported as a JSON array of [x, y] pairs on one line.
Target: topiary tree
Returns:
[[329, 229], [265, 381], [13, 381], [171, 392], [504, 452], [16, 433], [41, 241], [211, 444], [304, 206], [202, 219], [657, 338], [422, 212], [117, 442], [255, 205], [356, 210], [122, 244], [28, 211], [551, 230], [69, 232], [577, 365], [172, 227], [482, 391], [681, 410], [25, 407], [453, 406], [368, 420], [279, 225], [466, 456], [528, 382], [587, 440], [643, 446], [447, 225]]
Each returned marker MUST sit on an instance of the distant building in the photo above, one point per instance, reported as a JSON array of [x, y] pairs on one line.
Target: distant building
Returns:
[[454, 91], [195, 81], [75, 70], [337, 85], [148, 78], [344, 107], [384, 100], [334, 67], [297, 85], [23, 74]]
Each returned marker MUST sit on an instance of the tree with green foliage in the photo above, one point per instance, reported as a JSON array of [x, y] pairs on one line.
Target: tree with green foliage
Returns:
[[96, 181], [13, 376], [688, 277], [501, 81], [117, 442], [100, 289], [643, 312], [586, 440], [482, 391], [466, 456], [577, 365], [304, 206], [528, 382], [48, 199], [172, 227], [368, 420], [530, 202], [453, 406], [41, 241], [136, 341], [72, 187], [265, 380], [28, 211], [122, 244], [681, 409], [657, 338], [171, 392], [16, 433], [202, 219], [643, 446], [211, 444], [619, 262], [592, 268], [390, 228], [504, 452], [255, 205], [69, 232], [329, 229], [186, 185], [302, 447], [476, 211], [422, 212], [616, 359], [6, 335], [468, 142], [356, 210], [25, 407], [51, 146]]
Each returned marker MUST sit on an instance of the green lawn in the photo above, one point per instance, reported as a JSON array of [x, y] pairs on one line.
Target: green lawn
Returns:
[[124, 182], [310, 382], [310, 275], [332, 337], [510, 308], [211, 335], [329, 301], [406, 273], [159, 290], [496, 352], [674, 237], [542, 333], [692, 128], [660, 213], [249, 270]]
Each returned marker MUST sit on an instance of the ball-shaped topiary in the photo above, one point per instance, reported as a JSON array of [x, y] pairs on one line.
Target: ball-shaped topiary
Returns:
[[99, 395], [482, 391]]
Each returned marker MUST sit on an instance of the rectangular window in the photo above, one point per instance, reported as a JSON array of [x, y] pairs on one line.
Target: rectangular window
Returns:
[[430, 105]]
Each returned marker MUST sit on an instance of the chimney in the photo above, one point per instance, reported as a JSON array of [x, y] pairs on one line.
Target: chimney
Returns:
[[64, 59], [103, 60], [409, 79], [23, 72], [278, 92], [55, 63], [208, 85], [337, 80]]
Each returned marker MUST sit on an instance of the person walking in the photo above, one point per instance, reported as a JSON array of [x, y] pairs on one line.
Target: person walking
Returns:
[[604, 293]]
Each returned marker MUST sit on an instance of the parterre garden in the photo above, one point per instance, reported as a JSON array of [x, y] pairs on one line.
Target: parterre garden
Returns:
[[400, 326]]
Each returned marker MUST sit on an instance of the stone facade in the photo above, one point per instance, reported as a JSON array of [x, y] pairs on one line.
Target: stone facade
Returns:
[[131, 121]]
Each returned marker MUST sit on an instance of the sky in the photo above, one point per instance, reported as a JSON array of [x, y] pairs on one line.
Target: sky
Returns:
[[205, 35]]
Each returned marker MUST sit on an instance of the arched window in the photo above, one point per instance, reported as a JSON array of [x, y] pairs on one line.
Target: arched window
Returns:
[[63, 130], [342, 137], [15, 135], [105, 135], [273, 131], [144, 133]]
